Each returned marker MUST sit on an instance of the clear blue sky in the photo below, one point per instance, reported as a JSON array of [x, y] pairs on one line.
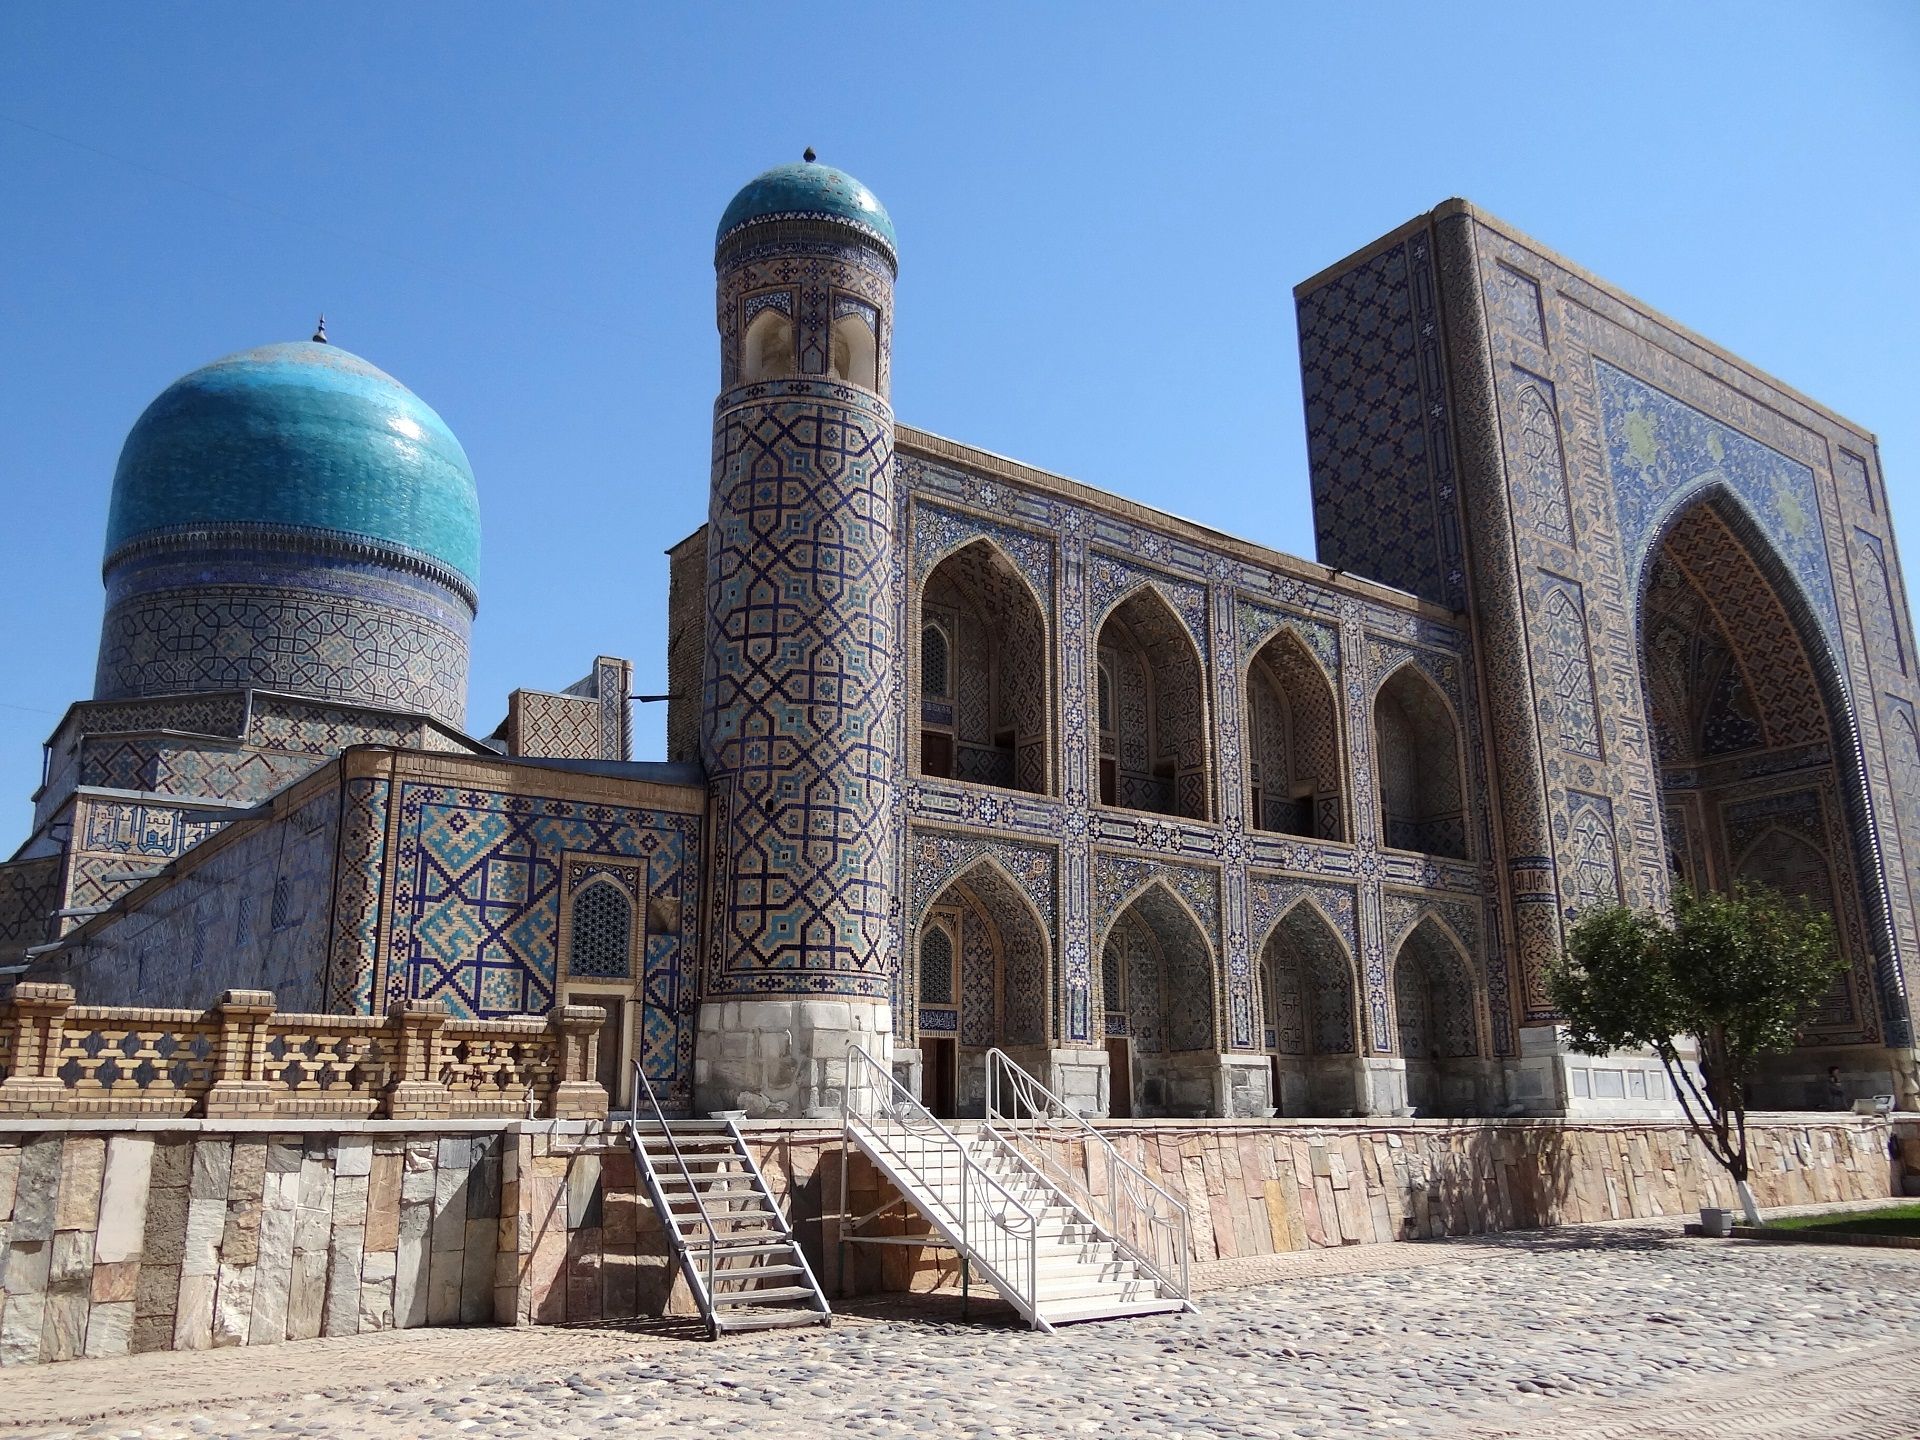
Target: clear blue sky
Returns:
[[1102, 210]]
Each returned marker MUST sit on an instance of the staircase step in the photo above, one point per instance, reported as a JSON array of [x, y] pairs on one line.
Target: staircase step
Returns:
[[697, 1242], [680, 1127], [1088, 1287], [728, 1246], [778, 1295], [1075, 1311], [758, 1272], [771, 1318]]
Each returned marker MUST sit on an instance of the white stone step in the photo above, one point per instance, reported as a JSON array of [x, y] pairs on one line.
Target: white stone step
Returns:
[[1072, 1312], [1089, 1285]]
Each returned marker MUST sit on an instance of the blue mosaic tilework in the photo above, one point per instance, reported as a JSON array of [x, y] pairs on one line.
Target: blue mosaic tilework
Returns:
[[230, 621], [801, 659], [477, 885], [1374, 381], [305, 436], [1663, 454]]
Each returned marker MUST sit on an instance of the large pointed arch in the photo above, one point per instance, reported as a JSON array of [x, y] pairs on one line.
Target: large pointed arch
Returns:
[[1293, 744], [1001, 990], [1160, 983], [1437, 1026], [1310, 1008], [1756, 737], [1153, 751], [1420, 764], [983, 677]]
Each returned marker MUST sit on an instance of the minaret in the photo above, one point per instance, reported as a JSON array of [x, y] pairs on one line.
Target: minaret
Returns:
[[797, 716]]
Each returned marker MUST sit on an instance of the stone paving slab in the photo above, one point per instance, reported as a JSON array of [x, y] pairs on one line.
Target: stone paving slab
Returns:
[[1583, 1334]]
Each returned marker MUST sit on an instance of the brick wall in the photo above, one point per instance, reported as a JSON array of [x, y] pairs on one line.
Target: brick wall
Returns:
[[686, 644]]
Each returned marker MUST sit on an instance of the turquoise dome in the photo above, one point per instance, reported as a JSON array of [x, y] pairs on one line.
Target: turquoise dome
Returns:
[[304, 436], [808, 190]]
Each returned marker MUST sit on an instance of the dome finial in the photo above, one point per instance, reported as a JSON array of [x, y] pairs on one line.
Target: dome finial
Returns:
[[808, 155], [320, 332]]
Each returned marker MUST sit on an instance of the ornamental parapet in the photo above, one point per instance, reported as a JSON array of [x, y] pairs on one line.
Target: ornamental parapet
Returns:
[[243, 1059]]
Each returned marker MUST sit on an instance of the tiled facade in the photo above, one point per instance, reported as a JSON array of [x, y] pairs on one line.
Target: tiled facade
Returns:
[[968, 754]]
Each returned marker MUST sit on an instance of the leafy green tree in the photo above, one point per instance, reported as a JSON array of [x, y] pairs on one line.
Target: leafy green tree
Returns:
[[1739, 973]]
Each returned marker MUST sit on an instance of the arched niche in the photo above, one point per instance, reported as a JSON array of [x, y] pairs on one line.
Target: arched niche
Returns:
[[1436, 1021], [1153, 738], [1311, 1013], [982, 977], [1158, 978], [855, 350], [767, 349], [984, 678], [1753, 742], [1417, 754], [1293, 743]]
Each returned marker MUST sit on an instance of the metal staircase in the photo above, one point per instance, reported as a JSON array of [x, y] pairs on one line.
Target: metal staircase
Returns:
[[732, 1243], [1042, 1249]]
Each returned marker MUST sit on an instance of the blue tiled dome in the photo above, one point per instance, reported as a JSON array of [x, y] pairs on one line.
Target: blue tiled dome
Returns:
[[808, 190], [303, 436]]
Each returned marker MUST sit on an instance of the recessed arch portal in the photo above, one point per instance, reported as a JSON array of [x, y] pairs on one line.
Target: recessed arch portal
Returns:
[[1293, 742], [1153, 740], [983, 671], [1311, 1014], [1436, 1020], [1417, 750], [1754, 747], [1158, 977], [982, 969]]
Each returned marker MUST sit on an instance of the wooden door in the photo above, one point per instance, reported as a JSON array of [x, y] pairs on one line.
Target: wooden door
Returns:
[[938, 1065], [1119, 1078]]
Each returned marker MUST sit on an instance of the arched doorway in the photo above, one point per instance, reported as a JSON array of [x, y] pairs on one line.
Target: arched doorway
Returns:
[[1417, 748], [980, 981], [983, 673], [1436, 1021], [1754, 763], [1157, 974], [1150, 710], [1293, 742], [1310, 1002]]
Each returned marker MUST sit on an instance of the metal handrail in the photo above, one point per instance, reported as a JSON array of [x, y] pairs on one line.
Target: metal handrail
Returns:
[[1034, 1106], [645, 1087], [895, 1104]]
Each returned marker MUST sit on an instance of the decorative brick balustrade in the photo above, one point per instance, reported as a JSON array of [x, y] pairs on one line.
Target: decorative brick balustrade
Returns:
[[242, 1060]]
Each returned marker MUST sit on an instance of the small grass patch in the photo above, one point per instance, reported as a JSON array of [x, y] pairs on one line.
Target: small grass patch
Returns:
[[1892, 1220]]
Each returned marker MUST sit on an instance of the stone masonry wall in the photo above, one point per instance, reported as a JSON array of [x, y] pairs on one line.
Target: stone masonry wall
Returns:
[[118, 1241], [1251, 1188], [122, 1239]]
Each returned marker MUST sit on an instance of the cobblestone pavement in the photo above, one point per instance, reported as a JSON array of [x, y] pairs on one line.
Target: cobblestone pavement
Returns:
[[1576, 1334]]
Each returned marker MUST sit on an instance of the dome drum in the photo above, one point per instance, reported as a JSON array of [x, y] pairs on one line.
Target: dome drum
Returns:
[[221, 619]]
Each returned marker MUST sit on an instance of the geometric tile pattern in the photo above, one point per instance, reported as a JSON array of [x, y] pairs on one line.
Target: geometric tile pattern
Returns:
[[476, 894], [1377, 445], [301, 631], [799, 673]]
